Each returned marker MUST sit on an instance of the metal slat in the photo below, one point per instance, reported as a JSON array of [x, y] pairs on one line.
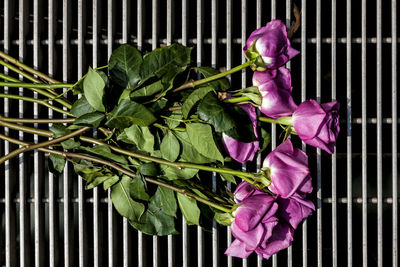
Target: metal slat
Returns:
[[36, 174], [110, 215], [333, 84], [303, 98], [125, 224], [171, 241], [349, 139], [81, 214], [9, 254], [394, 138], [318, 95], [21, 158], [244, 81], [379, 127], [185, 233], [199, 36], [229, 66], [95, 48], [139, 10], [52, 184], [364, 129], [65, 47]]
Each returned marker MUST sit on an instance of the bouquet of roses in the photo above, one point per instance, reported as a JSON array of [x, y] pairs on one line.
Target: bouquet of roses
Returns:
[[159, 131]]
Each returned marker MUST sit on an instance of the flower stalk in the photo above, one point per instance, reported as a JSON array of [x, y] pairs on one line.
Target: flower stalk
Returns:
[[118, 168]]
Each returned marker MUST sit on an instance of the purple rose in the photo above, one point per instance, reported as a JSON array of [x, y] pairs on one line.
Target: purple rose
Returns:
[[288, 170], [317, 124], [241, 151], [256, 228], [275, 86], [264, 223], [272, 44]]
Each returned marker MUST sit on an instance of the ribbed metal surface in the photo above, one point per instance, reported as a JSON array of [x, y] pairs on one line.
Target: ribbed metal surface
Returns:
[[348, 52]]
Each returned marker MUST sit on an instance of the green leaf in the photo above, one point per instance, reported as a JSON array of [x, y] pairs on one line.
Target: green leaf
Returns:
[[225, 219], [57, 162], [99, 180], [138, 190], [149, 169], [91, 119], [265, 140], [170, 147], [193, 98], [59, 130], [165, 199], [93, 87], [220, 84], [110, 182], [228, 177], [81, 107], [128, 113], [105, 152], [124, 66], [189, 209], [211, 110], [158, 219], [172, 173], [148, 90], [189, 153], [123, 202], [201, 137], [70, 144], [165, 62], [141, 137]]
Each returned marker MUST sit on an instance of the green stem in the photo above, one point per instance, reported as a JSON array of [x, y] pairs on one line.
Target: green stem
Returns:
[[35, 85], [122, 170], [20, 72], [27, 68], [26, 129], [192, 84], [178, 165], [281, 121], [47, 121], [49, 94], [35, 100], [43, 144], [236, 100]]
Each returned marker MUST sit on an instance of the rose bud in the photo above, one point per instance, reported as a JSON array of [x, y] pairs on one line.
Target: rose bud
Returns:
[[275, 86], [241, 151], [317, 124], [270, 43]]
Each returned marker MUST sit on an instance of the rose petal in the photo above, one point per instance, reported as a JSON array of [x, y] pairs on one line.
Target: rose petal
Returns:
[[238, 249]]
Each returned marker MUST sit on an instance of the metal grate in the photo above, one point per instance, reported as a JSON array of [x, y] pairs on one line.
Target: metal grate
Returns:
[[348, 52]]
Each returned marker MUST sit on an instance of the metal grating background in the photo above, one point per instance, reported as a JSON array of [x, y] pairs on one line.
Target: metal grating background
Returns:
[[348, 52]]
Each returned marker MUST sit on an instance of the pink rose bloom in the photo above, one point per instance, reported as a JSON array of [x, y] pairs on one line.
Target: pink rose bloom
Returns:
[[241, 151], [317, 124], [256, 228], [272, 44], [275, 86], [289, 171]]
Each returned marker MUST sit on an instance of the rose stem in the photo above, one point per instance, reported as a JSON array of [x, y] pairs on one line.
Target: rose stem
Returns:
[[35, 100], [36, 85], [49, 94], [282, 120], [118, 168], [178, 165], [43, 144], [192, 84], [237, 100], [20, 72], [23, 120], [27, 68]]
